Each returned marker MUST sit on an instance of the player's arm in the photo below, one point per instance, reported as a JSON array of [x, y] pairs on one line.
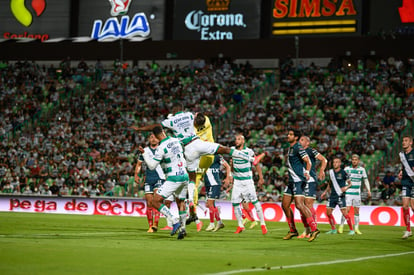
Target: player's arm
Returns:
[[324, 163], [348, 181], [151, 162], [145, 128], [230, 186], [366, 183], [228, 178], [138, 168], [308, 165], [327, 190], [260, 173]]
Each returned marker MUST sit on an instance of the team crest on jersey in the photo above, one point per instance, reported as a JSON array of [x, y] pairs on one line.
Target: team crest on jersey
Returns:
[[119, 7]]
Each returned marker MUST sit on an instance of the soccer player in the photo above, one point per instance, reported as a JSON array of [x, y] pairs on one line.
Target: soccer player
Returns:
[[243, 185], [299, 166], [212, 182], [204, 130], [170, 155], [152, 181], [182, 125], [406, 175], [339, 180], [311, 186], [357, 174]]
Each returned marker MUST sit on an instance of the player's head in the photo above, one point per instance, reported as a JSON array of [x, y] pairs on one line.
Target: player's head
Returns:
[[152, 139], [239, 142], [407, 142], [199, 120], [355, 160], [304, 141], [336, 163], [177, 107], [158, 132], [293, 135]]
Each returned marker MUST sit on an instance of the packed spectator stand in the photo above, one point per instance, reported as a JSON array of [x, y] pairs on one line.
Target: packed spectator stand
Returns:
[[64, 130]]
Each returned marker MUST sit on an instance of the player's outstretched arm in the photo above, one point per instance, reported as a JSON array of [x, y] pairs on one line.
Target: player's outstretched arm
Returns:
[[145, 128]]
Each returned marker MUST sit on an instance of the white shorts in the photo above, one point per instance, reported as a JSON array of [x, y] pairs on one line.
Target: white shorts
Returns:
[[197, 148], [243, 192], [171, 189], [353, 200]]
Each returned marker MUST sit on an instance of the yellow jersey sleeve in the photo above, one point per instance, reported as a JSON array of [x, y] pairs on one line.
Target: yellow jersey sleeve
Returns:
[[206, 132]]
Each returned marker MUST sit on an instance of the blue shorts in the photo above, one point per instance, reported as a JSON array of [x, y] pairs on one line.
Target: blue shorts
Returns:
[[310, 189], [213, 192], [407, 190], [150, 186], [295, 188], [334, 201]]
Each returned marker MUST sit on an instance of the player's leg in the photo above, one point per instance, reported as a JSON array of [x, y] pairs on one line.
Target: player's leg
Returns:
[[156, 213], [304, 210], [259, 210], [149, 196], [181, 194], [168, 201], [193, 159], [310, 195], [357, 205], [236, 199], [211, 209], [406, 203], [348, 199], [205, 163], [248, 214], [286, 202], [213, 195], [329, 209], [150, 211], [344, 212], [166, 190]]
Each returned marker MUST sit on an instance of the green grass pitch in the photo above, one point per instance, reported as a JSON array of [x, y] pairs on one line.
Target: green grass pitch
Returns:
[[76, 244]]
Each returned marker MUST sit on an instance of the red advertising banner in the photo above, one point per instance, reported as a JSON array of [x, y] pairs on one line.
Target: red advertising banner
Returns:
[[369, 215]]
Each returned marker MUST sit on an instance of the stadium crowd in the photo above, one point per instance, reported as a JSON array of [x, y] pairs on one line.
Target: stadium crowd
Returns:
[[64, 131]]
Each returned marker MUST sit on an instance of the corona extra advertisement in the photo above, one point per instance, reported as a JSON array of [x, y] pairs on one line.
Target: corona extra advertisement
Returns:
[[37, 19], [316, 17], [105, 20], [216, 20]]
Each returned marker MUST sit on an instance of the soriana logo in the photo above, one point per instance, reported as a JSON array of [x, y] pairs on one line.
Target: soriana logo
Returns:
[[22, 13]]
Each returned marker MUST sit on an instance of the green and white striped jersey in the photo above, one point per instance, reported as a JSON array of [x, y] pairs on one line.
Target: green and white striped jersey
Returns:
[[242, 169], [182, 125], [170, 156], [357, 176]]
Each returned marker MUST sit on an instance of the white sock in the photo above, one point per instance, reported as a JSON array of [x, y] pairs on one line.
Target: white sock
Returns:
[[342, 220], [259, 212], [238, 214], [167, 213], [191, 188]]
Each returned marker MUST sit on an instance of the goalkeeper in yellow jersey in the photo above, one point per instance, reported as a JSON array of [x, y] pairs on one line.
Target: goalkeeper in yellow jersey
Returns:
[[204, 130]]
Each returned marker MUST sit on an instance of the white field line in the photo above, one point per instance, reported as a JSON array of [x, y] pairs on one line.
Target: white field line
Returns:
[[312, 264], [60, 234]]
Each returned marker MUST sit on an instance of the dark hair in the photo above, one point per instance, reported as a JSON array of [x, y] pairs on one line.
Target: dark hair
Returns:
[[200, 119], [297, 133], [178, 104], [157, 130]]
